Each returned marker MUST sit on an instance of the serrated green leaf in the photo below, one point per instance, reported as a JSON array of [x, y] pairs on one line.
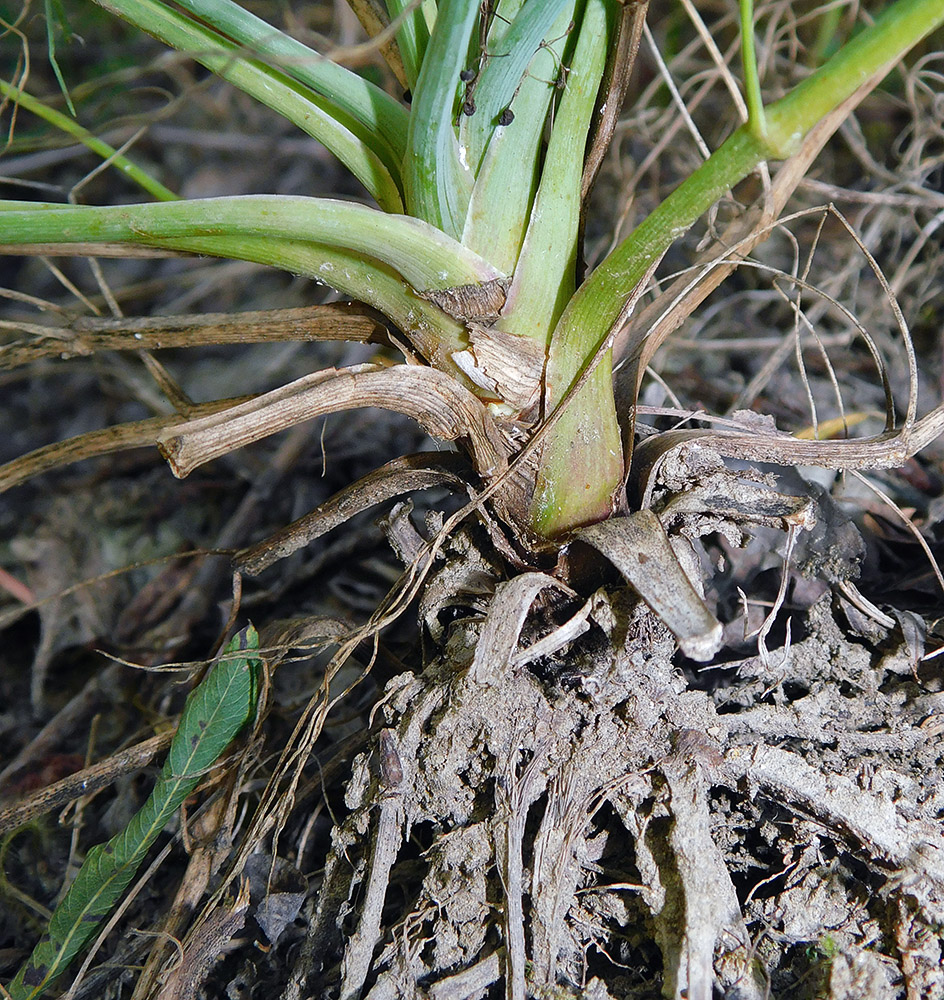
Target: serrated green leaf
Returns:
[[214, 713], [216, 710]]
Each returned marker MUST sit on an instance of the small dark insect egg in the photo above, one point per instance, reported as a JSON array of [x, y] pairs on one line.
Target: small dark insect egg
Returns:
[[506, 117], [467, 75]]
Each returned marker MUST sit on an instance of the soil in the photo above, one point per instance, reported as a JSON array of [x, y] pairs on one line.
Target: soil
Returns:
[[491, 784]]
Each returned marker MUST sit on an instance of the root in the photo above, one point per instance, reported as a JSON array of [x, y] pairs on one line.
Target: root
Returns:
[[542, 831]]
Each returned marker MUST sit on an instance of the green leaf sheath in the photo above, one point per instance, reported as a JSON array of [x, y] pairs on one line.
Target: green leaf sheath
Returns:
[[507, 176], [214, 713], [438, 180], [546, 270], [503, 68]]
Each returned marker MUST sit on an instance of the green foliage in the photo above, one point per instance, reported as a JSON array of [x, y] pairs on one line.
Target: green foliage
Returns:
[[480, 180], [66, 124], [55, 22], [214, 713]]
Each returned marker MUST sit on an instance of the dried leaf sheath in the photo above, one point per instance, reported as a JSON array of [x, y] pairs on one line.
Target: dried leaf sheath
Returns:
[[406, 474], [348, 321], [442, 407]]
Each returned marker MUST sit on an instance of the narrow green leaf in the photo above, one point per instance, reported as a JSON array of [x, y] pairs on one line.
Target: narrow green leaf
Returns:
[[356, 146], [386, 119], [55, 19], [506, 180], [437, 180], [503, 67], [412, 36], [130, 169], [545, 275], [427, 258], [214, 713], [752, 93]]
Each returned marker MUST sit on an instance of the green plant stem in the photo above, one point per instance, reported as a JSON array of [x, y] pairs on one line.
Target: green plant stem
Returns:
[[71, 127], [900, 27], [580, 474], [755, 102], [55, 18], [826, 30]]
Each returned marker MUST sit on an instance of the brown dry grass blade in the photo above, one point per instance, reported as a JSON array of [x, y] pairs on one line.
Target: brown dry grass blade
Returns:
[[443, 408], [640, 549], [376, 22], [107, 441], [85, 336], [403, 475]]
